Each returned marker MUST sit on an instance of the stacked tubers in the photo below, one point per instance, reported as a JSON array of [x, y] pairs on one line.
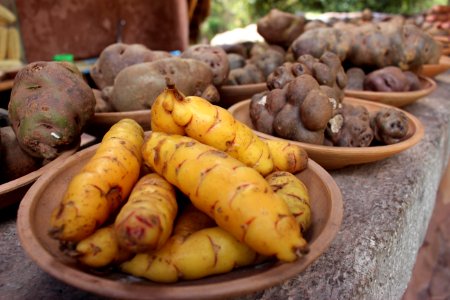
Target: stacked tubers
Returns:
[[371, 45], [142, 224]]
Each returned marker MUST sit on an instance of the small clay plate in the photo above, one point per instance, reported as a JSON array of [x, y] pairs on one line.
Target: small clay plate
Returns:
[[432, 70], [33, 225], [231, 94], [100, 123], [331, 157], [397, 99]]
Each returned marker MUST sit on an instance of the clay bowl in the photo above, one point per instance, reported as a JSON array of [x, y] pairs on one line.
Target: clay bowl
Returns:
[[331, 157], [432, 70], [231, 94], [100, 123], [13, 191], [397, 99], [33, 225]]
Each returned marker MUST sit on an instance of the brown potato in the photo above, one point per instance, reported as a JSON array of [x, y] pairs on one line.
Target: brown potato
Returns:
[[136, 87]]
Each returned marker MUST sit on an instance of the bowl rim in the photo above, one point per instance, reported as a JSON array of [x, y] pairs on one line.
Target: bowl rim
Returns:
[[120, 289], [419, 131], [429, 86]]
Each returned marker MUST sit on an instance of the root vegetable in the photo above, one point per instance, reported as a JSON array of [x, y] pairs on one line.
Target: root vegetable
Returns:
[[295, 194], [136, 87], [210, 124], [101, 249], [49, 107], [287, 156], [197, 248], [246, 206], [102, 185], [145, 222], [117, 57]]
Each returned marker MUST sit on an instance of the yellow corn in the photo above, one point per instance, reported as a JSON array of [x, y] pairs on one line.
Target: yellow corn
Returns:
[[3, 42], [6, 15], [13, 49]]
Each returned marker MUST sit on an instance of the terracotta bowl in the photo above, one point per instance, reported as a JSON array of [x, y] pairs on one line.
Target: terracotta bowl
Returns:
[[231, 94], [432, 70], [331, 157], [33, 225], [397, 99], [102, 122], [13, 191]]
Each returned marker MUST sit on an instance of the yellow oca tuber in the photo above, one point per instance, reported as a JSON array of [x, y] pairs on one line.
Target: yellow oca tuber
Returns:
[[102, 185], [237, 197], [210, 124]]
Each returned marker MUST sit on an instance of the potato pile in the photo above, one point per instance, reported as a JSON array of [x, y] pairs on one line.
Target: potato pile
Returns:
[[304, 96], [166, 216], [252, 62], [49, 107], [129, 77], [304, 103], [387, 79], [372, 45]]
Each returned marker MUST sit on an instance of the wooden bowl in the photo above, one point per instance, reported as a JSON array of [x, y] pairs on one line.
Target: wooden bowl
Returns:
[[432, 70], [331, 157], [231, 94], [397, 99], [13, 191], [33, 225], [102, 122]]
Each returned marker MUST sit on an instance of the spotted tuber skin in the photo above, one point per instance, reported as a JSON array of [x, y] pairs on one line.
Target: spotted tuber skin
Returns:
[[355, 131], [49, 108], [390, 126], [279, 112]]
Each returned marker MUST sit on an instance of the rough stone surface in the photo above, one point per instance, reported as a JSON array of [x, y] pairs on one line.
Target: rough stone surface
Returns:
[[387, 207]]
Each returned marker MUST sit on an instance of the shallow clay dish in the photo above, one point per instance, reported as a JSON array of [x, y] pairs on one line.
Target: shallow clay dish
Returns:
[[397, 99], [14, 190], [432, 70], [102, 122], [231, 94], [337, 157], [33, 225]]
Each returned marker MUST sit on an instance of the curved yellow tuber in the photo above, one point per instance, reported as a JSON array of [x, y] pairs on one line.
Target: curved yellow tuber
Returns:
[[295, 194], [145, 222], [210, 124], [237, 197], [102, 185]]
